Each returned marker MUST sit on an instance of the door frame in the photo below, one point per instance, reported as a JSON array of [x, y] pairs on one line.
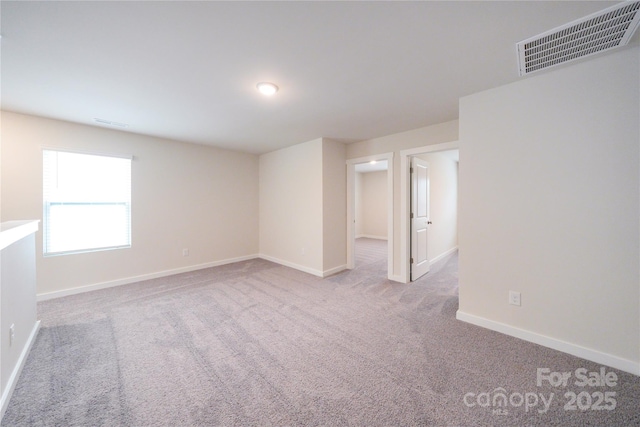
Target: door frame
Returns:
[[405, 199], [351, 203]]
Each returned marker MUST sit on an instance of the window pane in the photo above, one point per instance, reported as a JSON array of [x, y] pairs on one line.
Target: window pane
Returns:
[[88, 226], [87, 202]]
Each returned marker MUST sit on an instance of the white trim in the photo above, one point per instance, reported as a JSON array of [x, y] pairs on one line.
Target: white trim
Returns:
[[443, 255], [134, 279], [89, 153], [12, 231], [304, 269], [334, 270], [165, 273], [293, 265], [404, 200], [556, 344], [396, 278], [13, 379], [371, 236], [351, 166]]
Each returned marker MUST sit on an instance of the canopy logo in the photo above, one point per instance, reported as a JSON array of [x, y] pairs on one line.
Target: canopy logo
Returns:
[[500, 401]]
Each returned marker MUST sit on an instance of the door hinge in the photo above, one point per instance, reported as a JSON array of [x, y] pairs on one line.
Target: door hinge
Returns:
[[410, 170], [411, 215], [411, 260]]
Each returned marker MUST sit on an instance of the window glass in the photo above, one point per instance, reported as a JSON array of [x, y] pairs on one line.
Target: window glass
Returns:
[[87, 202]]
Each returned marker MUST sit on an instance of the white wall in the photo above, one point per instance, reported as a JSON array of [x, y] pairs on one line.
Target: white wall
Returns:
[[334, 207], [549, 207], [442, 238], [291, 206], [303, 206], [373, 208], [183, 196]]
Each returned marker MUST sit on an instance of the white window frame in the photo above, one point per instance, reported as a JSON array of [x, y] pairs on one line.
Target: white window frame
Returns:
[[50, 200]]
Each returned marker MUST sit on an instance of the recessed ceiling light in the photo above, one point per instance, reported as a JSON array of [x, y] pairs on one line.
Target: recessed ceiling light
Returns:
[[267, 88]]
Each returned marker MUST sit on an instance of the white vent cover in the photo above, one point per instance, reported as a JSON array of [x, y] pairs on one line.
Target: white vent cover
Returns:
[[604, 30]]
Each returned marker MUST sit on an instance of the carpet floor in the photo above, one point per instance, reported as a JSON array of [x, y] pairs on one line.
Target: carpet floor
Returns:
[[258, 344]]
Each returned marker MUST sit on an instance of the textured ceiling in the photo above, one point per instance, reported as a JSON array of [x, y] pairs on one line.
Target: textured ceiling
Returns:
[[188, 70]]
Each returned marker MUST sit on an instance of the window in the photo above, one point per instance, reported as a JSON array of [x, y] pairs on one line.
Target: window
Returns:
[[87, 202]]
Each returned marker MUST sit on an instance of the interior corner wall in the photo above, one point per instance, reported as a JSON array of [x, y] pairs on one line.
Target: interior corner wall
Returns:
[[334, 207], [430, 135], [183, 196], [291, 199], [549, 207], [443, 205]]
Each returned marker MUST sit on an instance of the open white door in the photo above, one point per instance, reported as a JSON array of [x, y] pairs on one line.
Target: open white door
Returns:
[[419, 217]]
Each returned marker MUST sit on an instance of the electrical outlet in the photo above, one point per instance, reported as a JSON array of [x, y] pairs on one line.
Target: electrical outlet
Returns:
[[514, 298], [185, 252], [12, 333]]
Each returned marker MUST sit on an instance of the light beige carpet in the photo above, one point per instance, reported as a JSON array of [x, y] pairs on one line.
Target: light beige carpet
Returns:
[[257, 344]]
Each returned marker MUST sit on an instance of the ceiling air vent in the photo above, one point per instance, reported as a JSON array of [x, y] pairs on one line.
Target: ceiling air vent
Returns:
[[110, 123], [602, 31]]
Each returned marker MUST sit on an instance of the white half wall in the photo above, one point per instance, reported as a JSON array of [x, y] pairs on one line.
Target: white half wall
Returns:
[[549, 207], [18, 312], [183, 196]]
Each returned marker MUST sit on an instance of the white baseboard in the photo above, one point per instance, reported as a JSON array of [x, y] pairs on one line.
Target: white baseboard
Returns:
[[13, 379], [443, 255], [371, 236], [303, 268], [563, 346], [128, 280], [334, 270], [292, 265], [396, 278], [165, 273]]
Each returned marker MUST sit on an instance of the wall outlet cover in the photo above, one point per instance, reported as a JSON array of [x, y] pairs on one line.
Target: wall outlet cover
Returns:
[[514, 298]]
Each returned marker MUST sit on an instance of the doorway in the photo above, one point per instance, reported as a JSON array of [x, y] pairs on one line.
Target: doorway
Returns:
[[442, 233], [371, 227]]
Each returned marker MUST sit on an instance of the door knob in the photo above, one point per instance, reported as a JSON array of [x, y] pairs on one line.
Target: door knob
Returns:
[[429, 222]]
